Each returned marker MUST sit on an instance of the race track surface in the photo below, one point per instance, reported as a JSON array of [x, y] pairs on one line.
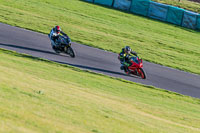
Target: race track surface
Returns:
[[97, 60]]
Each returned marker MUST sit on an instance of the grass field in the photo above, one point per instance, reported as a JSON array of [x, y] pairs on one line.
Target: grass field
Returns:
[[185, 4], [108, 29], [37, 95]]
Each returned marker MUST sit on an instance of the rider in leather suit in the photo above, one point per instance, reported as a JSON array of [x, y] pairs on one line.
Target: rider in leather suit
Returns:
[[54, 35], [124, 58]]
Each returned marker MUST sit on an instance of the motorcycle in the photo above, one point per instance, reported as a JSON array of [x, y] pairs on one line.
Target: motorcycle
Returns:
[[64, 43], [136, 67]]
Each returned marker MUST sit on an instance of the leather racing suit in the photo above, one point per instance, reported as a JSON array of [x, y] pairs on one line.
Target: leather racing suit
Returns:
[[124, 59], [54, 37]]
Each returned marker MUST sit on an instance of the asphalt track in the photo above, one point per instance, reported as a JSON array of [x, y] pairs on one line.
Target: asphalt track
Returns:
[[38, 45]]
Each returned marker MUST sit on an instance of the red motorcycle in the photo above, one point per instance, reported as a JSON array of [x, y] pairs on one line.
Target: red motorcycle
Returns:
[[136, 67]]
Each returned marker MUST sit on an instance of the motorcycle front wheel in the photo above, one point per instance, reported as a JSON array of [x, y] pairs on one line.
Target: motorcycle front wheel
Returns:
[[71, 52], [141, 73]]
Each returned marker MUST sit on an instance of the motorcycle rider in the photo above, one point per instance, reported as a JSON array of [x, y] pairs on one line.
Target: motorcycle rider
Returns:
[[124, 58], [54, 35]]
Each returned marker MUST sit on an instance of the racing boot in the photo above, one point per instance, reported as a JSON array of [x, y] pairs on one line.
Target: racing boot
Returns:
[[55, 46], [122, 67], [126, 70], [55, 49]]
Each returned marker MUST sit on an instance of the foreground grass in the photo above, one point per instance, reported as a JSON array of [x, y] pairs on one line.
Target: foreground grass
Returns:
[[108, 29], [41, 96]]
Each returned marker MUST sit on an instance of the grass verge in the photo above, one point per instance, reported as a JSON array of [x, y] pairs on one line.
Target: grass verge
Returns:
[[108, 29], [185, 4], [38, 95]]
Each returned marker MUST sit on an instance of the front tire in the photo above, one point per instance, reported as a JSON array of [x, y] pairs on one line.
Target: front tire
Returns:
[[141, 73], [71, 52]]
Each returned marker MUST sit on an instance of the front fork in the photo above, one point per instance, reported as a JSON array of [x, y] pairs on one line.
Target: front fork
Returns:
[[66, 48]]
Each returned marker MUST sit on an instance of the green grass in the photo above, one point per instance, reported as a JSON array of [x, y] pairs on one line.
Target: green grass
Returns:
[[108, 29], [185, 4], [37, 95]]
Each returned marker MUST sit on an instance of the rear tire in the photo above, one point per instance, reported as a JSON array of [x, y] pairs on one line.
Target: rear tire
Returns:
[[71, 52], [141, 73]]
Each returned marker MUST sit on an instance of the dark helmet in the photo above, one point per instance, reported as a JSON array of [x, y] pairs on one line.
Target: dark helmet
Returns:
[[58, 29], [127, 49]]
